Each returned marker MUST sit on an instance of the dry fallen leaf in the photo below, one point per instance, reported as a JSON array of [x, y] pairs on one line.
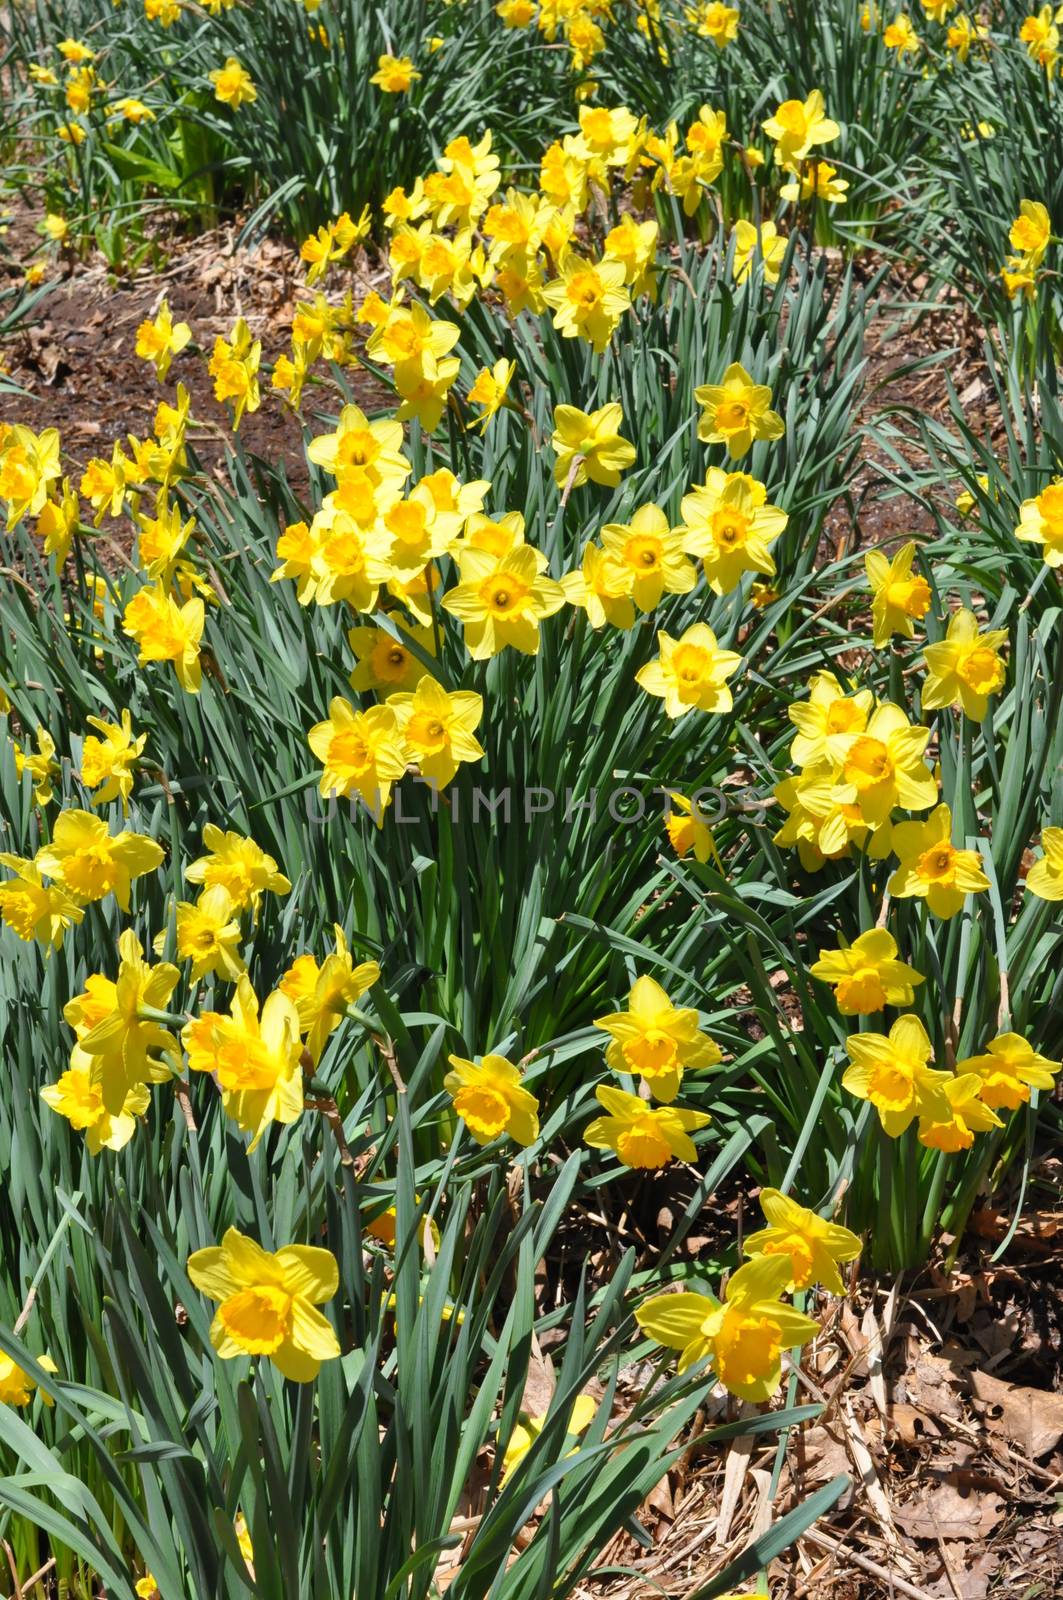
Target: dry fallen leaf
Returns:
[[907, 1423], [539, 1386], [1032, 1419], [951, 1512]]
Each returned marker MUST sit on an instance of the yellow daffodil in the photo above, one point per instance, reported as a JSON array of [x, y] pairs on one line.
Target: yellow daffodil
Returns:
[[867, 974], [690, 673], [825, 719], [361, 752], [239, 865], [108, 765], [40, 764], [892, 1072], [516, 13], [750, 242], [394, 74], [160, 339], [323, 993], [232, 84], [737, 411], [208, 935], [728, 526], [1009, 1068], [634, 244], [269, 1302], [797, 126], [883, 767], [588, 299], [16, 1385], [650, 554], [938, 10], [254, 1058], [744, 1336], [33, 909], [1045, 877], [105, 483], [501, 601], [164, 12], [58, 523], [817, 180], [384, 661], [438, 728], [813, 1246], [716, 21], [298, 551], [965, 666], [1040, 34], [117, 1035], [130, 109], [489, 1097], [964, 1114], [687, 831], [166, 631], [656, 1040], [899, 599], [75, 52], [375, 446], [528, 1429], [28, 464], [234, 366], [1031, 232], [588, 445], [86, 859], [642, 1135], [901, 36], [162, 539], [80, 1101], [490, 389], [931, 868], [823, 820], [962, 34], [601, 588], [1041, 522]]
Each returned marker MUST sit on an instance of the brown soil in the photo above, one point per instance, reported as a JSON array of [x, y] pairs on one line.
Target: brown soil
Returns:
[[77, 365]]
